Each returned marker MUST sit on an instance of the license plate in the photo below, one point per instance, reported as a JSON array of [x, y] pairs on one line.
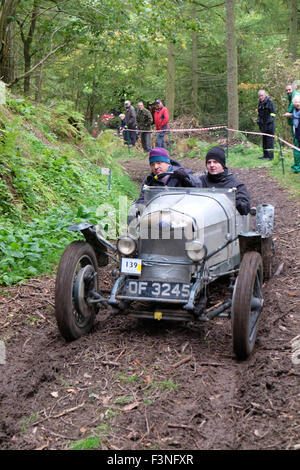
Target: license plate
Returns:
[[156, 289], [131, 266]]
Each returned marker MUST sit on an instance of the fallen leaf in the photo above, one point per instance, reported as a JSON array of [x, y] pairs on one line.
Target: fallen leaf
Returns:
[[215, 397], [72, 390], [105, 400], [54, 394], [147, 379], [137, 362], [83, 430], [131, 406]]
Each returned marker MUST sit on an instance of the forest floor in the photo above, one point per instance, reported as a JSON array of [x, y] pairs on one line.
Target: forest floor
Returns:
[[134, 386]]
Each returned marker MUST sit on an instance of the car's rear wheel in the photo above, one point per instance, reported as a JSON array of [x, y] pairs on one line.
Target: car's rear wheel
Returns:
[[247, 304], [77, 276]]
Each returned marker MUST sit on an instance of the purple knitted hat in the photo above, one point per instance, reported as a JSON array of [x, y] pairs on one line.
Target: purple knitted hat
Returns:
[[159, 154]]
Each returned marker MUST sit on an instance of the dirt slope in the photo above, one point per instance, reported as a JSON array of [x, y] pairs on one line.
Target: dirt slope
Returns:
[[125, 386]]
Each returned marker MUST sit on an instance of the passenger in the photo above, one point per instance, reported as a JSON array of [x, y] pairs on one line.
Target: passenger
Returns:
[[161, 164], [218, 176]]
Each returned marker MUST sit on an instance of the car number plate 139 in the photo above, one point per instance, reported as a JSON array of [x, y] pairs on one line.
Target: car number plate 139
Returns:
[[156, 289]]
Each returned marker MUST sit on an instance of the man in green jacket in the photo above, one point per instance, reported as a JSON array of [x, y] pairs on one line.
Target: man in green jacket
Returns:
[[290, 93], [144, 121], [294, 105]]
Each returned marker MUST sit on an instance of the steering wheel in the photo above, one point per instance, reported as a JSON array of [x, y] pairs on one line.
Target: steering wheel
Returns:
[[161, 175]]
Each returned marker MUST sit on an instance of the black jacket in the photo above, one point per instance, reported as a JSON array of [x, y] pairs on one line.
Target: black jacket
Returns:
[[265, 110], [228, 180]]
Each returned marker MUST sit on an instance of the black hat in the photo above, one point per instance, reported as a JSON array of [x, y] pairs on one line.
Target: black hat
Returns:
[[216, 153]]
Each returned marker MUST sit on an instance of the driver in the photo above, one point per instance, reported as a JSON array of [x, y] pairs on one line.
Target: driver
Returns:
[[219, 176], [166, 172]]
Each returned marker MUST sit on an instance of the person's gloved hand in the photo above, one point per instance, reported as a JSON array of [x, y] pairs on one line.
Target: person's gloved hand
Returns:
[[183, 177], [180, 173]]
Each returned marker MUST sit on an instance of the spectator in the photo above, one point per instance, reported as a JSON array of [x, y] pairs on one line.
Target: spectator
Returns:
[[290, 93], [123, 129], [266, 122], [218, 176], [130, 116], [161, 119], [295, 116], [144, 121]]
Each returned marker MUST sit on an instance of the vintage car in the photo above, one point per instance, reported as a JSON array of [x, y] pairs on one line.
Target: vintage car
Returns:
[[181, 241]]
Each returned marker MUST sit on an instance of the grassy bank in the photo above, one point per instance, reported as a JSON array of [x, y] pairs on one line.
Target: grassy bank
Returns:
[[50, 177]]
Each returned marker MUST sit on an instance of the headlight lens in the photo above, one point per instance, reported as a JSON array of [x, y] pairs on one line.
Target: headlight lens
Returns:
[[195, 250], [126, 245]]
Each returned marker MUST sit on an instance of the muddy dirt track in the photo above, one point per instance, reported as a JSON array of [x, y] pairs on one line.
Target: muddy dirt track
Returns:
[[165, 386]]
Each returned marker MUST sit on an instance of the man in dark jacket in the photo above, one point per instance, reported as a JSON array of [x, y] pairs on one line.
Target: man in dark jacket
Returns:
[[266, 121], [166, 172], [130, 117], [218, 176], [144, 121]]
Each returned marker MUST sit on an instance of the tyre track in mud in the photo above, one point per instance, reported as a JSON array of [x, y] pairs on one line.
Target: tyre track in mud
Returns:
[[156, 386]]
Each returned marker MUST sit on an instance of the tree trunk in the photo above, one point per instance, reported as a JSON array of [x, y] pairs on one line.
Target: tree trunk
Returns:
[[232, 69], [293, 39], [170, 86], [7, 14], [27, 46], [38, 84], [195, 73]]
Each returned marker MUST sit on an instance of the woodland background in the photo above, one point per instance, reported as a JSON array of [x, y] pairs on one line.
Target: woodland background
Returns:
[[66, 62], [203, 58]]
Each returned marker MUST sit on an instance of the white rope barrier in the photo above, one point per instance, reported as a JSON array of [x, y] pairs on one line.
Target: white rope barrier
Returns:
[[200, 129]]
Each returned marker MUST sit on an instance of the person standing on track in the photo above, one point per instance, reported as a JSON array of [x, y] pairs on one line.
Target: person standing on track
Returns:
[[161, 120], [266, 121], [144, 121]]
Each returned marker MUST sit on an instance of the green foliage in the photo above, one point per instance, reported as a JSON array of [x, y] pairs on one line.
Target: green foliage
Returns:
[[44, 188], [90, 443], [95, 441]]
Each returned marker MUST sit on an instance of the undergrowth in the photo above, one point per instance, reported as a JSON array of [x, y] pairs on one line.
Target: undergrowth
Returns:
[[50, 177]]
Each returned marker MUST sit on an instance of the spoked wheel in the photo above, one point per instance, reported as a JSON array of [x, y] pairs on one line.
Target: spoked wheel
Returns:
[[247, 304], [76, 277]]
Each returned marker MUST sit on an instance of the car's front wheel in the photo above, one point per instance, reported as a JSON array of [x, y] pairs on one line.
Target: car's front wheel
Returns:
[[77, 277], [247, 304]]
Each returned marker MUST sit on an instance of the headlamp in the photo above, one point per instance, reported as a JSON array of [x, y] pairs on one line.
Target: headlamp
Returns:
[[126, 245], [195, 250]]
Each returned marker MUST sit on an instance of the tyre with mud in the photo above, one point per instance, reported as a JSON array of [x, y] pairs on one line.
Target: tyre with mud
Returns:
[[247, 304], [77, 276]]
